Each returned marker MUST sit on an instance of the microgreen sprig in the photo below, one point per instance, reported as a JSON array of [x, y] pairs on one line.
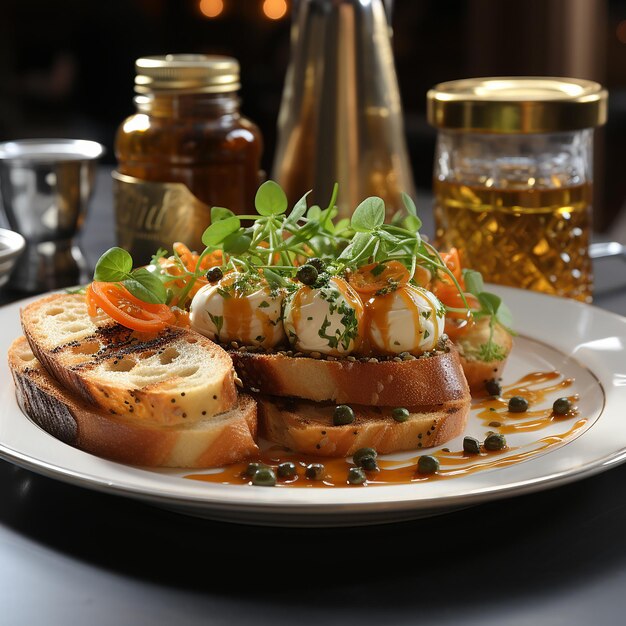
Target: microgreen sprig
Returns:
[[492, 307], [116, 265]]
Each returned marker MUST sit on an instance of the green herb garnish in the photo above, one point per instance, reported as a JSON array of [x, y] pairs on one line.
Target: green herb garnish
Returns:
[[116, 266]]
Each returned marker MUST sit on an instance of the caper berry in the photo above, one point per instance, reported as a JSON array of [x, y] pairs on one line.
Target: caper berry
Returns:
[[495, 441], [471, 445], [286, 470], [307, 274], [253, 468], [517, 404], [264, 477], [314, 471], [356, 476], [427, 464], [318, 264], [400, 414], [368, 463], [493, 387], [561, 406], [343, 415], [214, 274], [361, 453]]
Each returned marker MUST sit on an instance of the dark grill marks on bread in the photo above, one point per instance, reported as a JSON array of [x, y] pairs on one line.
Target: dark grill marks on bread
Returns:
[[126, 372], [213, 441]]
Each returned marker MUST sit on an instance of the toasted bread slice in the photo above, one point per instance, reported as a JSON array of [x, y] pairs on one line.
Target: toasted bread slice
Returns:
[[426, 381], [477, 370], [212, 441], [307, 427], [174, 377]]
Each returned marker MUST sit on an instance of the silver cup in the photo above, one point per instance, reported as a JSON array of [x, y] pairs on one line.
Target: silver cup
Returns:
[[45, 186]]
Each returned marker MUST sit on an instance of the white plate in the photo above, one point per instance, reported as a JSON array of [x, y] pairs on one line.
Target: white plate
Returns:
[[578, 340]]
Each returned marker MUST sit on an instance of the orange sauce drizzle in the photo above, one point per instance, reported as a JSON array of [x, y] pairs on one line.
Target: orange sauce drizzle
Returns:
[[461, 464], [452, 463], [238, 316], [533, 388]]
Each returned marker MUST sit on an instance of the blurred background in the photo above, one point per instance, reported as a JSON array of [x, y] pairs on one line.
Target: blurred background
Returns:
[[67, 67]]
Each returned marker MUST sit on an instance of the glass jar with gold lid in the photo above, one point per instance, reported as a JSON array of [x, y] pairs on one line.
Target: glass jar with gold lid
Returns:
[[186, 149], [513, 178]]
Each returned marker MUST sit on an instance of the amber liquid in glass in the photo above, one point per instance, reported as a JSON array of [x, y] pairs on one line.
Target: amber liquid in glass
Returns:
[[532, 238], [201, 141]]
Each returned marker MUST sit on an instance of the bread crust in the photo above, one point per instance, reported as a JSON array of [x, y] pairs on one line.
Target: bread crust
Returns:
[[427, 381], [226, 438], [307, 427], [98, 358]]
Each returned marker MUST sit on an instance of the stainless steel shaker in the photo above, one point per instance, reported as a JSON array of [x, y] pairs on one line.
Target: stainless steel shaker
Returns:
[[341, 117], [45, 186]]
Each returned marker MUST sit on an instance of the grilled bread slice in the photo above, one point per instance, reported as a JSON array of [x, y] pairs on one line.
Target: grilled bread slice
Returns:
[[307, 427], [429, 380], [174, 377], [479, 368], [209, 442]]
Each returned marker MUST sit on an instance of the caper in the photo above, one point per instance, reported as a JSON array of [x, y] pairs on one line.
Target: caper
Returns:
[[561, 406], [361, 453], [264, 477], [318, 264], [343, 415], [495, 441], [286, 470], [253, 468], [214, 274], [314, 471], [307, 274], [517, 404], [427, 464], [356, 476], [471, 445], [493, 387], [400, 414], [368, 463]]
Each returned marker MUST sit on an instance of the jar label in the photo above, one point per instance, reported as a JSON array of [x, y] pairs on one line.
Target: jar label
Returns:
[[150, 215]]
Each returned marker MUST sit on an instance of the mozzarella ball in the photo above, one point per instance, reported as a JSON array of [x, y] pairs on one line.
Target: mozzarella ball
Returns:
[[328, 319], [409, 319], [225, 314]]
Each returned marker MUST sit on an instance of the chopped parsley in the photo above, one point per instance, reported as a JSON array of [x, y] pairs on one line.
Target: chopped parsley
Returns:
[[218, 321]]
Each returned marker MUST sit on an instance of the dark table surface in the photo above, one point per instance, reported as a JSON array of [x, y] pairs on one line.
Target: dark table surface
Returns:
[[73, 556]]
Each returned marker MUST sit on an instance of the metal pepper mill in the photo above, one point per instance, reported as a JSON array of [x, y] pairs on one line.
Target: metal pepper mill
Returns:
[[341, 118]]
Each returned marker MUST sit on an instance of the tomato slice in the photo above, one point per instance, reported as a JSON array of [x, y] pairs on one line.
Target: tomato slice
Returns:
[[452, 260], [379, 277], [457, 322], [422, 277], [117, 302]]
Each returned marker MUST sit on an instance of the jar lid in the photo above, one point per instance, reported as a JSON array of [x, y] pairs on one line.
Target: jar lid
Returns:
[[517, 104], [186, 73]]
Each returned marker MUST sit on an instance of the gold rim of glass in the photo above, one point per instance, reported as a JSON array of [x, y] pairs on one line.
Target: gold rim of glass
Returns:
[[517, 104]]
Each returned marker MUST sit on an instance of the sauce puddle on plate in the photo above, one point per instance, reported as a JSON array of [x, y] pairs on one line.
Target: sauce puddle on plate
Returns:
[[491, 412]]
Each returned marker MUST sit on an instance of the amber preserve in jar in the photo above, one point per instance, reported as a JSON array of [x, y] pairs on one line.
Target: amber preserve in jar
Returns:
[[186, 149], [513, 178]]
